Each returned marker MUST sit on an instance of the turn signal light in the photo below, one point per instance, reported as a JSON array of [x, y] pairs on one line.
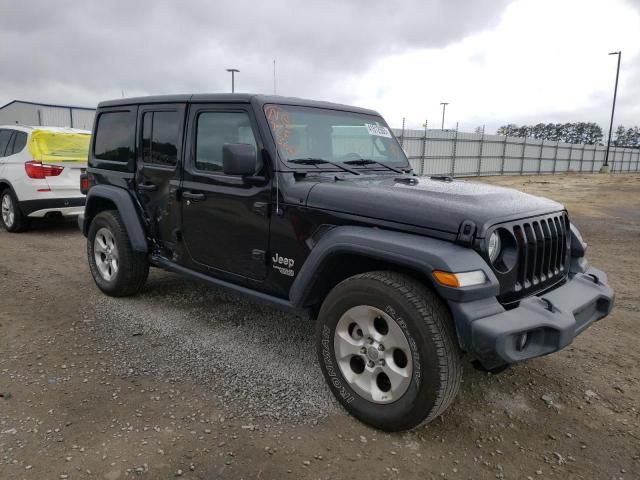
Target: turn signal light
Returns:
[[457, 280], [36, 169]]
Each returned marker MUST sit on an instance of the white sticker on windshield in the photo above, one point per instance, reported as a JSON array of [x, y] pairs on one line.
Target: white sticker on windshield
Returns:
[[377, 130]]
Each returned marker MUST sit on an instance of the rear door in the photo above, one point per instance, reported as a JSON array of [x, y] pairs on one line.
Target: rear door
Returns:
[[158, 168]]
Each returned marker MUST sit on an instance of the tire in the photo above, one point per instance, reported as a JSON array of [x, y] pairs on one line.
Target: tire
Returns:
[[117, 270], [11, 217], [420, 383]]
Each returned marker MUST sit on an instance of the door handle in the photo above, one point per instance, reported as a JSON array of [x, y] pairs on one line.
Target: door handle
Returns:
[[261, 208], [147, 187], [196, 197]]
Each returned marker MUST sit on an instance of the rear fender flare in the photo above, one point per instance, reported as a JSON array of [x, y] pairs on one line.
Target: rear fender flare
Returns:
[[126, 208]]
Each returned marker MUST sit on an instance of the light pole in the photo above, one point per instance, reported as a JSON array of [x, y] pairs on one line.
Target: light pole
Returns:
[[233, 78], [605, 167], [444, 107]]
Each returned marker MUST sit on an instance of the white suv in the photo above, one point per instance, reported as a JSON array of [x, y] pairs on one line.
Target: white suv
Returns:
[[40, 171]]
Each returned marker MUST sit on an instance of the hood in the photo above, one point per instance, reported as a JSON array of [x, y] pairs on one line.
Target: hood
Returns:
[[424, 202]]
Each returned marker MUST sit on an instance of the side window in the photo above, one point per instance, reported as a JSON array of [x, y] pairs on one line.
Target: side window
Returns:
[[115, 136], [5, 136], [19, 142], [213, 130], [147, 123], [160, 137], [8, 151]]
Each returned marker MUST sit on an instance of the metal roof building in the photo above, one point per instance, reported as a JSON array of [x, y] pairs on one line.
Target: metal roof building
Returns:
[[42, 114]]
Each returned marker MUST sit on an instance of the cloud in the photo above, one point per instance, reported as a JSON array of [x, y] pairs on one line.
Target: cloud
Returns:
[[71, 51], [495, 61], [544, 61]]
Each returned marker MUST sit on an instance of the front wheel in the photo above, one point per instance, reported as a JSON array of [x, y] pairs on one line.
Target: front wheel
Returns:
[[116, 268], [388, 350]]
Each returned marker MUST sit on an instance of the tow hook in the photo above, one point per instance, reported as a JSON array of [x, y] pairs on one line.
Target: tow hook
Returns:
[[549, 305], [595, 278]]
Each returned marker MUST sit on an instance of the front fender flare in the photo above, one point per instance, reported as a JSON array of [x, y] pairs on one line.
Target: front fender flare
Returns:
[[126, 208], [418, 253]]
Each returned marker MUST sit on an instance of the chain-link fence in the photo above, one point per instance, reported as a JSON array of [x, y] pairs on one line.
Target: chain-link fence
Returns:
[[459, 154]]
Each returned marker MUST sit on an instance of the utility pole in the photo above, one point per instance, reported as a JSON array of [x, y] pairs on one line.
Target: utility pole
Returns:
[[233, 78], [444, 107], [605, 167], [274, 76]]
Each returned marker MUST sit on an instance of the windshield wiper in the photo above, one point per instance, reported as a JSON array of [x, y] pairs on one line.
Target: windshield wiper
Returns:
[[320, 161], [366, 161]]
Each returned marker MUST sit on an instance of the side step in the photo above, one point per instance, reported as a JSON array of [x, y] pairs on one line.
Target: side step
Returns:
[[253, 295]]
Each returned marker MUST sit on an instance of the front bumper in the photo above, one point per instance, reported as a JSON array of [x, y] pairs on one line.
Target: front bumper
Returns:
[[542, 324]]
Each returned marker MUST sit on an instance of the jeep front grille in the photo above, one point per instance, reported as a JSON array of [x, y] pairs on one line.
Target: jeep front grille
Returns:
[[542, 256]]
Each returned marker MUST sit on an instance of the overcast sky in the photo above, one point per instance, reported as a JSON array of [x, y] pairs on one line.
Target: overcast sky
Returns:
[[495, 61]]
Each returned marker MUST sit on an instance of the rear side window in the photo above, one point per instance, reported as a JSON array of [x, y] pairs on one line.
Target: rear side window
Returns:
[[160, 137], [19, 142], [115, 136], [5, 136], [214, 129]]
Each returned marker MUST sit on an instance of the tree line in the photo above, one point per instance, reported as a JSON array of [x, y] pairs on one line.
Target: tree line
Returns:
[[626, 137], [588, 133]]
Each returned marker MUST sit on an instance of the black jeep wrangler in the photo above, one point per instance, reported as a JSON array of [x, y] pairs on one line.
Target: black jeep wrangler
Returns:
[[313, 208]]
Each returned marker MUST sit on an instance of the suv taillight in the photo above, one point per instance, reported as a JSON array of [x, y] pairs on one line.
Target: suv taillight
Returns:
[[84, 183], [36, 169]]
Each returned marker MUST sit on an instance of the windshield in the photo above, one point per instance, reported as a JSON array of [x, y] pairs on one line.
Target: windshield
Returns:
[[307, 134]]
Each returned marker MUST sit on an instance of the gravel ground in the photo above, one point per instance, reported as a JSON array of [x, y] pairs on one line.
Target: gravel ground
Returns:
[[263, 360], [183, 381]]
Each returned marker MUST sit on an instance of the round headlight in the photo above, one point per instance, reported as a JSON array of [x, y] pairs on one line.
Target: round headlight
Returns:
[[494, 246]]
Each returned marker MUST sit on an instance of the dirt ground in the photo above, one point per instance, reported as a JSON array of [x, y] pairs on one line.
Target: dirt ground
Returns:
[[91, 387]]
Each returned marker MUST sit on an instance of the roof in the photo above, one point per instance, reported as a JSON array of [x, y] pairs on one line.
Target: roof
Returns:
[[29, 128], [232, 98], [46, 105]]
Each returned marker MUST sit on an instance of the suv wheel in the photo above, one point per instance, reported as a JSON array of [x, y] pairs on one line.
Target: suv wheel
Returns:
[[116, 268], [388, 350], [10, 214]]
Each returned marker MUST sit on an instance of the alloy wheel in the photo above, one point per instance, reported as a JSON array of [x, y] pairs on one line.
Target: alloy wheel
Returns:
[[105, 253], [8, 211], [373, 354]]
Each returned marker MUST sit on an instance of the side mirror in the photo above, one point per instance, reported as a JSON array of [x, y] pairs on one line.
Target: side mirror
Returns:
[[239, 159]]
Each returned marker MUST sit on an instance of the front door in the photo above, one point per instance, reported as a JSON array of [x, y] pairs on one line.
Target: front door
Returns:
[[225, 220], [158, 170]]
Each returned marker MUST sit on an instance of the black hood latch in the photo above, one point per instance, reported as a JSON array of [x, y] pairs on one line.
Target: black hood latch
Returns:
[[466, 233]]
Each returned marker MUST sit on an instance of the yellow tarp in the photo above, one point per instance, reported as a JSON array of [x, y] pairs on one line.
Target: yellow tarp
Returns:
[[49, 146]]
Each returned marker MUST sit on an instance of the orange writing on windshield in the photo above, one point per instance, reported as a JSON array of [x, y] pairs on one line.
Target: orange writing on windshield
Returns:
[[278, 119]]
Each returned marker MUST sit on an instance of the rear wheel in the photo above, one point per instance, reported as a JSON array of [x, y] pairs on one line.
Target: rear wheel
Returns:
[[388, 350], [116, 268], [10, 215]]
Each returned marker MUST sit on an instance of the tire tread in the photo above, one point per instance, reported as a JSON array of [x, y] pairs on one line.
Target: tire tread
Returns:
[[438, 320], [20, 222], [134, 265]]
